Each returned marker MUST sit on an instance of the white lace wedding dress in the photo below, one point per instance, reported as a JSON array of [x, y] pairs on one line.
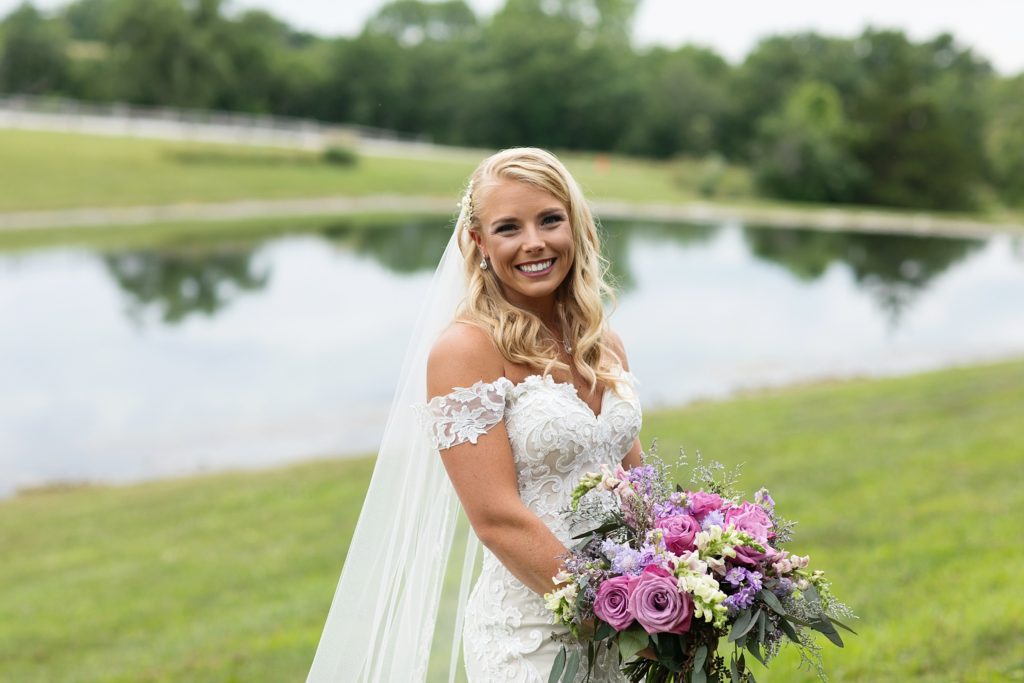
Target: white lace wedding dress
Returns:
[[555, 438]]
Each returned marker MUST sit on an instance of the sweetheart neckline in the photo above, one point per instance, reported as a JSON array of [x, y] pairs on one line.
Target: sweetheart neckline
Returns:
[[549, 379]]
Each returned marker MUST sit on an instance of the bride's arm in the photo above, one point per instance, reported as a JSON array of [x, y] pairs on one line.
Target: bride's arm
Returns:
[[632, 458], [484, 474]]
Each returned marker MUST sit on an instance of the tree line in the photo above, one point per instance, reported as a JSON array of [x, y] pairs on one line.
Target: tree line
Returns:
[[875, 119]]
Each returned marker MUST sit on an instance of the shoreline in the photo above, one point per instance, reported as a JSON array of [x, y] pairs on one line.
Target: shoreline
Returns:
[[658, 412], [866, 219]]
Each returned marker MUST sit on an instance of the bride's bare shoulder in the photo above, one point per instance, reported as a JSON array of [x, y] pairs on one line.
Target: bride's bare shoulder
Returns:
[[463, 354]]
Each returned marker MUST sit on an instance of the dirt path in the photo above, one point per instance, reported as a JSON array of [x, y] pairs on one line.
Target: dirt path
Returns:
[[699, 212]]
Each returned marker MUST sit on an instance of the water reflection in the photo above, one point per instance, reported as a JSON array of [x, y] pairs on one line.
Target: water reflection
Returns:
[[179, 283], [616, 237], [892, 269], [294, 339], [405, 247]]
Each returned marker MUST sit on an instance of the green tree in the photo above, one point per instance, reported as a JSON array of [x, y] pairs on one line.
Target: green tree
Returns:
[[681, 101], [89, 19], [162, 58], [1005, 138], [413, 21], [544, 76], [33, 55], [804, 150], [921, 111], [767, 77]]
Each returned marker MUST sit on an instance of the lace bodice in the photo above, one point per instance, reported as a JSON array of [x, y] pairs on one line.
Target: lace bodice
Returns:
[[555, 438], [554, 435]]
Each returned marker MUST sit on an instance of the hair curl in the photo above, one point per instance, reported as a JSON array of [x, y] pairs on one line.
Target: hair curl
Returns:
[[519, 334]]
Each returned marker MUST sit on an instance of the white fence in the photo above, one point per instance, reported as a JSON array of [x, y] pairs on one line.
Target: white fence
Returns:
[[127, 120]]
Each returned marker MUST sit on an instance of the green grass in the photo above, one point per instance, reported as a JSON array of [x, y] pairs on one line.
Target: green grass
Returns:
[[42, 170], [909, 493], [193, 233]]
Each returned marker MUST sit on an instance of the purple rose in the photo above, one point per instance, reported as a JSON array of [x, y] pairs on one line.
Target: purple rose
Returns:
[[702, 503], [612, 601], [657, 603], [680, 530], [756, 522]]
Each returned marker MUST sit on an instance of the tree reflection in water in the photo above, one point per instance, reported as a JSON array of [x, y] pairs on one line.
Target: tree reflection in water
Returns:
[[180, 282], [406, 247], [892, 269], [617, 235], [417, 245]]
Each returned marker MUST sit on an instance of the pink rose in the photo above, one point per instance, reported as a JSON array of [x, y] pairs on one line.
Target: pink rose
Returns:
[[657, 603], [612, 602], [750, 518], [680, 530], [756, 522], [702, 503]]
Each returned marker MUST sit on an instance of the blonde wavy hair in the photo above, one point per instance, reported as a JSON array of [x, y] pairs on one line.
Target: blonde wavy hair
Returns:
[[520, 335]]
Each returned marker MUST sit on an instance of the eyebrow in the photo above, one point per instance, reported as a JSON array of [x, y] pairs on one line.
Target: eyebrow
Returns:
[[513, 219]]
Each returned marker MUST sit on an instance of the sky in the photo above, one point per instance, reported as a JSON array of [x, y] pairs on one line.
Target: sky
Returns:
[[994, 28]]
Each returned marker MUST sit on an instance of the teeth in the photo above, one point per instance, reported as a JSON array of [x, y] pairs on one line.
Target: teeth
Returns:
[[536, 267]]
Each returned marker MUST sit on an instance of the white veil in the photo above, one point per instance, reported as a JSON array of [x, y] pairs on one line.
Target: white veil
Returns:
[[382, 621]]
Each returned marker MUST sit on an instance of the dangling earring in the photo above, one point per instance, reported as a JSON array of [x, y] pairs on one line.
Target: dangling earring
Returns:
[[483, 264]]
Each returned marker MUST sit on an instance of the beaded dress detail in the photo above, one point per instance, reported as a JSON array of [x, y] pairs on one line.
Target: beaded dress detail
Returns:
[[555, 438]]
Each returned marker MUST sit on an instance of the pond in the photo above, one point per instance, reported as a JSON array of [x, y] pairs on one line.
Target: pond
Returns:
[[129, 364]]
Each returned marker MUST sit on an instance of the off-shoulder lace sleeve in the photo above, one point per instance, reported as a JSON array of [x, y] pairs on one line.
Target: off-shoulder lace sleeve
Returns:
[[465, 413]]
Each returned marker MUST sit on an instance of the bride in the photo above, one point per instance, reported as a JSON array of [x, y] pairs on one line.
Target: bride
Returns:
[[526, 388]]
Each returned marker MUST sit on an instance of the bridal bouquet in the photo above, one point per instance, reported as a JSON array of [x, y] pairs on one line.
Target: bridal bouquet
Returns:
[[670, 573]]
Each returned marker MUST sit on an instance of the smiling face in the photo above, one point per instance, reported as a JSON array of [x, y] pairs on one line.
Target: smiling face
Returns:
[[526, 236]]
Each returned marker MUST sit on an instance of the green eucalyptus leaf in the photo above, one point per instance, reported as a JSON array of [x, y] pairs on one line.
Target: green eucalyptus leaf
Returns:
[[699, 657], [741, 625], [762, 622], [604, 630], [755, 649], [772, 601], [825, 627], [734, 670], [788, 629], [557, 666], [631, 641], [813, 593], [604, 528], [842, 625], [572, 667], [670, 655]]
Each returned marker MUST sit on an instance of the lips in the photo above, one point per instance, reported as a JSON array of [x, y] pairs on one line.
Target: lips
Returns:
[[536, 267]]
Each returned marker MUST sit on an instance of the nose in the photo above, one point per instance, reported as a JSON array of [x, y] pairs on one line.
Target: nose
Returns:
[[533, 241]]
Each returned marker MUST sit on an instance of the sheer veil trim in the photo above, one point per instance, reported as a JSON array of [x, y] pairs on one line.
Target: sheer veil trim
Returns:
[[382, 620]]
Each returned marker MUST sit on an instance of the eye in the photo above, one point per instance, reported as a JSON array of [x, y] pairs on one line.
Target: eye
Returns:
[[553, 219], [507, 227]]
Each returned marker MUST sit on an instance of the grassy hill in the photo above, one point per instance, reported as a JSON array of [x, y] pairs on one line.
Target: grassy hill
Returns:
[[909, 492], [43, 170]]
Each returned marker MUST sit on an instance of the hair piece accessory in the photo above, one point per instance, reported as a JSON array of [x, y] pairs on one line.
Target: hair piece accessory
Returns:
[[466, 203]]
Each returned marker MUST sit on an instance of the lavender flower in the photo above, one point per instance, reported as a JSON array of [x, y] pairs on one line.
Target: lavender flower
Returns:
[[713, 518], [675, 505], [643, 478], [783, 588], [624, 559], [748, 582], [762, 498]]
